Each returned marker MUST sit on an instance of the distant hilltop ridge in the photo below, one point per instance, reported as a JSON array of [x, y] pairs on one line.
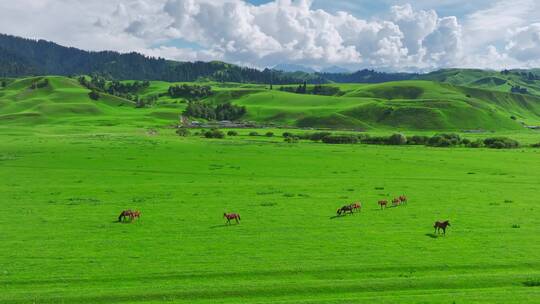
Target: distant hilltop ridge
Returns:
[[28, 57]]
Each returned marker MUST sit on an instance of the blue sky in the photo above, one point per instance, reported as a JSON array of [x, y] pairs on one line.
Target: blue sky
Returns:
[[399, 35], [372, 8]]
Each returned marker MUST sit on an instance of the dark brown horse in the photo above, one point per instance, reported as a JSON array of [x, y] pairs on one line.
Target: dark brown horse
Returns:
[[129, 214], [232, 216], [441, 225], [395, 202], [403, 199], [357, 206], [383, 203], [345, 209]]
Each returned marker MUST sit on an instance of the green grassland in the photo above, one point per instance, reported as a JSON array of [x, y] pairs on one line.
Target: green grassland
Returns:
[[69, 165], [407, 105], [64, 185]]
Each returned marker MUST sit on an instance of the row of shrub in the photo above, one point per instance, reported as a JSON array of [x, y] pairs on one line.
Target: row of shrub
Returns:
[[216, 133], [438, 140]]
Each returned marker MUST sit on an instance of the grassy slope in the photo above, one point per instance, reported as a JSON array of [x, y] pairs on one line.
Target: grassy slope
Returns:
[[407, 105], [419, 105], [485, 79], [60, 242], [64, 101]]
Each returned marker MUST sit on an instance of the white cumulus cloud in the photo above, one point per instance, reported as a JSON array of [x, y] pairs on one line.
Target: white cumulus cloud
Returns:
[[505, 34]]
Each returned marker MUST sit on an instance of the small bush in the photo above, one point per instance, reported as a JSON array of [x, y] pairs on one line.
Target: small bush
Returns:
[[303, 136], [214, 134], [317, 136], [516, 226], [501, 143], [363, 137], [340, 139], [444, 140], [269, 134], [476, 144], [287, 134], [532, 283], [183, 132], [397, 139], [375, 140], [418, 140], [232, 133], [291, 139], [253, 133], [94, 95], [536, 145]]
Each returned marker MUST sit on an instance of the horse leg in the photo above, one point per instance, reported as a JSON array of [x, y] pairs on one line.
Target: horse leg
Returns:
[[237, 220]]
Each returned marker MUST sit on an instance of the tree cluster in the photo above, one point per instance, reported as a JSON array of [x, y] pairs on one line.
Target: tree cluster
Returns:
[[190, 92], [314, 90], [99, 84], [118, 88], [225, 111], [519, 90]]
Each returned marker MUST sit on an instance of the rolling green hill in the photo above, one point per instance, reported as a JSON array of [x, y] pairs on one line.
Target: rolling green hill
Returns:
[[406, 105], [65, 101], [493, 80]]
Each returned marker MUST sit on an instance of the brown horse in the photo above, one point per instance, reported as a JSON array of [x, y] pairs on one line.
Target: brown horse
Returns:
[[357, 206], [441, 225], [395, 202], [232, 216], [383, 203], [129, 214], [345, 209], [135, 214], [403, 199]]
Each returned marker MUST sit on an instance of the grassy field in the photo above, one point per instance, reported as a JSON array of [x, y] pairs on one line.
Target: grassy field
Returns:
[[63, 187]]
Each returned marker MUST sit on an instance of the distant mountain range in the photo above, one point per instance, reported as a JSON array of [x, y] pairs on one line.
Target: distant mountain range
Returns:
[[287, 67], [27, 57]]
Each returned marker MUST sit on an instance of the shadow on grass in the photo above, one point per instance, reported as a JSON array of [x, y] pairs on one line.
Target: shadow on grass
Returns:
[[223, 225], [432, 235], [340, 216]]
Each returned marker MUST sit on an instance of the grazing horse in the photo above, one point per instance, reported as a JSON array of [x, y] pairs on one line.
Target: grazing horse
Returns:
[[345, 209], [357, 206], [135, 215], [441, 225], [383, 203], [129, 214], [403, 199], [396, 202], [232, 216]]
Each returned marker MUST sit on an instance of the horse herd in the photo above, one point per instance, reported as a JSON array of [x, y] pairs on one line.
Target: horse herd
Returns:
[[350, 209]]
